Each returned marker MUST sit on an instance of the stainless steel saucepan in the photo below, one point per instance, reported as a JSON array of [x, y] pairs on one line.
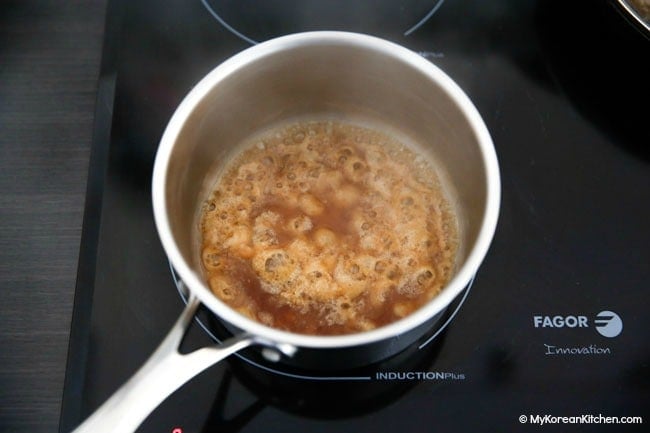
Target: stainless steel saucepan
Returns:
[[346, 76]]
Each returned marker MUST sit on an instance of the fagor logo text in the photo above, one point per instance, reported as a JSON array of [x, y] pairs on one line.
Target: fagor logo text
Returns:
[[607, 323], [560, 321]]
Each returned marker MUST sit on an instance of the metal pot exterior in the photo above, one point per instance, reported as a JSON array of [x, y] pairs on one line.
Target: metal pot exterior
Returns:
[[341, 359]]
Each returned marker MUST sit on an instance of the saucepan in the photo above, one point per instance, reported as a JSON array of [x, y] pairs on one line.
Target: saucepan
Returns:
[[342, 75]]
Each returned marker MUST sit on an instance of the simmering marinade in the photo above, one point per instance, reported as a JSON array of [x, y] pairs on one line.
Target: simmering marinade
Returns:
[[327, 228]]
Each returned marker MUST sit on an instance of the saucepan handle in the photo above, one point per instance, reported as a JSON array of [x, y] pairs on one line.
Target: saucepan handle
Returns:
[[163, 373]]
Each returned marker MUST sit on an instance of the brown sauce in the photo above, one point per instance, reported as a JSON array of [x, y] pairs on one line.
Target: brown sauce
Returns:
[[327, 228]]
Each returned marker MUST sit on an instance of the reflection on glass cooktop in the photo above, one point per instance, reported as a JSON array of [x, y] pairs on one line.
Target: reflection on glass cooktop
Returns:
[[256, 21], [555, 320]]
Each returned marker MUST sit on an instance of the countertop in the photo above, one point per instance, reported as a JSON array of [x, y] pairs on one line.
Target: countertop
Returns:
[[50, 54]]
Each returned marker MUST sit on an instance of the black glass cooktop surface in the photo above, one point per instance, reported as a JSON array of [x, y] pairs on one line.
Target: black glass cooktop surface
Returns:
[[555, 322]]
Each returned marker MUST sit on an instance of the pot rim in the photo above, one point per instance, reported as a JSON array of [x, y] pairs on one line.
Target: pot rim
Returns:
[[194, 282], [633, 15]]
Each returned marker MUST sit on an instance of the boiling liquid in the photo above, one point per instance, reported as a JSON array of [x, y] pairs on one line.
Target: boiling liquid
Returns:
[[327, 228]]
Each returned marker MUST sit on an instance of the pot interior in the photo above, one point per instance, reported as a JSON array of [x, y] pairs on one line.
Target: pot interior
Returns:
[[370, 85]]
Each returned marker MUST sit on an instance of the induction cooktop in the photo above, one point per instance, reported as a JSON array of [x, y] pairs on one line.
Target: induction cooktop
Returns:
[[553, 329]]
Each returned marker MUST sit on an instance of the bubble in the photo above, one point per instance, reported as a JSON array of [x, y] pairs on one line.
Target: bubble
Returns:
[[380, 266], [365, 226], [310, 205], [325, 238], [222, 288], [393, 273], [274, 261], [401, 309], [265, 317], [298, 137], [211, 258], [424, 277], [347, 195], [302, 224], [265, 237], [291, 176], [273, 289], [211, 206]]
